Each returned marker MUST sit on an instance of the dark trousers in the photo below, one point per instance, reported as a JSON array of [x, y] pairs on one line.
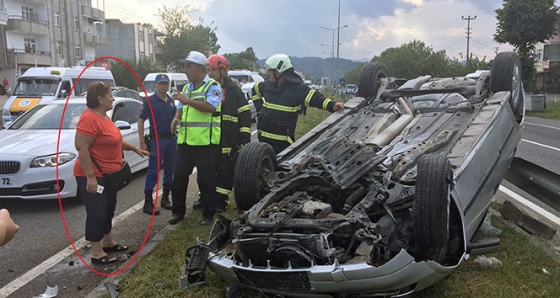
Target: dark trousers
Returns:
[[278, 146], [100, 209], [167, 154], [225, 166], [203, 158]]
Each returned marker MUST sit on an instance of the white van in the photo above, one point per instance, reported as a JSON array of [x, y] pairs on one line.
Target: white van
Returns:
[[45, 84], [246, 79], [178, 80]]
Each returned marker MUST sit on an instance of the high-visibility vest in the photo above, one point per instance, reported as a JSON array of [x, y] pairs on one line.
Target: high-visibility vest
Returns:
[[199, 128]]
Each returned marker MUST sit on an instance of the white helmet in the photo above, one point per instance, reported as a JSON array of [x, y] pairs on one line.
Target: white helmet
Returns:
[[195, 57], [280, 62]]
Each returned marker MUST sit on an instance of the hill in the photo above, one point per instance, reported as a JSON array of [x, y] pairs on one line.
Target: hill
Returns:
[[316, 67]]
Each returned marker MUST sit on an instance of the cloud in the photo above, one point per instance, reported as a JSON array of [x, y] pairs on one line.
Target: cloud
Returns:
[[293, 26]]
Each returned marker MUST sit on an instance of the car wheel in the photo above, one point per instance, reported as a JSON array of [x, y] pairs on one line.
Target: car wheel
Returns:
[[506, 76], [430, 210], [255, 161], [370, 79]]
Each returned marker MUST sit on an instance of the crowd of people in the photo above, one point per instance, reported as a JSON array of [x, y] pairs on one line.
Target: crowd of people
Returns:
[[206, 129]]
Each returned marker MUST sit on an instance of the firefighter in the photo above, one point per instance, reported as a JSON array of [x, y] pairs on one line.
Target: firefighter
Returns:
[[284, 94], [236, 126], [198, 138]]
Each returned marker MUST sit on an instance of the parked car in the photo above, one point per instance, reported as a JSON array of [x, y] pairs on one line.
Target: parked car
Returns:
[[125, 92], [351, 89], [382, 199], [28, 156]]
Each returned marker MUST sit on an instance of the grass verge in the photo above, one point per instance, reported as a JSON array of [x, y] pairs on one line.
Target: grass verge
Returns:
[[521, 275], [552, 111]]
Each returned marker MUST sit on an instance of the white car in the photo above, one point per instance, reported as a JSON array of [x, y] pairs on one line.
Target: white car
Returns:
[[28, 148]]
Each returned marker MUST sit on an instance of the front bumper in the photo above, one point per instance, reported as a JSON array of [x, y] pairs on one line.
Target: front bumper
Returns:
[[400, 276]]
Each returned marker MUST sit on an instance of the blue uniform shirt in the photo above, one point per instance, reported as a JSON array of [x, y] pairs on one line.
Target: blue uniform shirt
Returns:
[[213, 96], [163, 112]]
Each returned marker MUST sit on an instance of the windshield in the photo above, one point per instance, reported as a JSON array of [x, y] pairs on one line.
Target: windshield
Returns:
[[150, 87], [242, 79], [48, 117], [36, 87]]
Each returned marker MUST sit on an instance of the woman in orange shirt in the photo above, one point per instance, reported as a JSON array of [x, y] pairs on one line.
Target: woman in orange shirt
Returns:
[[97, 138]]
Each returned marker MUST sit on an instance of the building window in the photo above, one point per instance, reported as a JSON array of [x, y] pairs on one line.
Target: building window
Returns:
[[78, 51], [76, 24], [86, 3], [57, 18], [27, 13], [59, 47], [30, 46], [141, 36]]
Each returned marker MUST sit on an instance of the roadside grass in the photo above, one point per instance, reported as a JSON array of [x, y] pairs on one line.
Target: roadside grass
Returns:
[[521, 275], [552, 111]]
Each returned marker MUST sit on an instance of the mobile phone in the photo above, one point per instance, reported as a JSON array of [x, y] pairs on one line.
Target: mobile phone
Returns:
[[174, 91], [100, 189]]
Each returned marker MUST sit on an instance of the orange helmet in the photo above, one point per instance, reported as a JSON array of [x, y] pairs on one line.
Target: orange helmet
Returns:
[[217, 61]]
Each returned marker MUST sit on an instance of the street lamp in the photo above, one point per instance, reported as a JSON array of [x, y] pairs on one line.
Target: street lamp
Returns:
[[333, 44]]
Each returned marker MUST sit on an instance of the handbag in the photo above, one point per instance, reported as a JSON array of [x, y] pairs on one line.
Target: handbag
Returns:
[[116, 180]]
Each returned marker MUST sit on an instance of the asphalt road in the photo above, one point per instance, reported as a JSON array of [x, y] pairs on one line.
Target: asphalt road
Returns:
[[541, 143]]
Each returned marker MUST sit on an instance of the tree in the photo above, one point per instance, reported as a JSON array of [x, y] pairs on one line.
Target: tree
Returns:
[[181, 36], [414, 59], [243, 60], [523, 23], [123, 76]]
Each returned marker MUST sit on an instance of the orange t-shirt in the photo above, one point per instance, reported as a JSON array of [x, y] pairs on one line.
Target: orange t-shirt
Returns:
[[106, 148]]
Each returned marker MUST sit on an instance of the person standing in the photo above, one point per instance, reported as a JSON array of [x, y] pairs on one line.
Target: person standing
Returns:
[[236, 127], [285, 94], [163, 108], [198, 117], [99, 140]]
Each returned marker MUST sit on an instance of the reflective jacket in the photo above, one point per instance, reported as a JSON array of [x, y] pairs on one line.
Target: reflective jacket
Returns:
[[281, 105], [199, 128], [236, 117]]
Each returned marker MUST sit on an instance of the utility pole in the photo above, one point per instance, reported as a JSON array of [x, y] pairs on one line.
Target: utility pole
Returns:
[[468, 18]]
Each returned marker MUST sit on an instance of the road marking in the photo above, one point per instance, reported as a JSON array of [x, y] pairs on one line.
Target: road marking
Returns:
[[539, 144], [553, 218], [542, 125]]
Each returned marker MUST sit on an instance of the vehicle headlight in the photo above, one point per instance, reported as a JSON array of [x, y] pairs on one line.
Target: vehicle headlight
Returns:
[[50, 160]]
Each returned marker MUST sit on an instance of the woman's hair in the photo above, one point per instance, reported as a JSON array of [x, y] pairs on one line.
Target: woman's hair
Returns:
[[94, 90]]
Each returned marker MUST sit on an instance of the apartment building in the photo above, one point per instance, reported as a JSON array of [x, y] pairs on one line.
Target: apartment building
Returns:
[[130, 41], [49, 33]]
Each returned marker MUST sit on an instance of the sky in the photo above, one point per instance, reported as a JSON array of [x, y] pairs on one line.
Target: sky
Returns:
[[367, 27]]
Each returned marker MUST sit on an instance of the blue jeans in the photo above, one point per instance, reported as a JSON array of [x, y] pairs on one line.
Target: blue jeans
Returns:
[[167, 154]]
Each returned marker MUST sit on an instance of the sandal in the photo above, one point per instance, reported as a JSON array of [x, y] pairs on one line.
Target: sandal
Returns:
[[103, 260], [116, 247]]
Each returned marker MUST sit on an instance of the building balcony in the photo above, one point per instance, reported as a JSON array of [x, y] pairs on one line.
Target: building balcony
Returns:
[[93, 13], [91, 38], [30, 57], [33, 25]]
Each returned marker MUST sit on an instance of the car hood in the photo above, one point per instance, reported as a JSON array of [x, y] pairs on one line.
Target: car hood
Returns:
[[36, 142]]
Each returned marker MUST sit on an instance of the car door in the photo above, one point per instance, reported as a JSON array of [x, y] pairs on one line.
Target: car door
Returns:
[[129, 111]]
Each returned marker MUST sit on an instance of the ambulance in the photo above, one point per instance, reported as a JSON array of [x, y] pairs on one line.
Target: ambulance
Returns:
[[45, 84]]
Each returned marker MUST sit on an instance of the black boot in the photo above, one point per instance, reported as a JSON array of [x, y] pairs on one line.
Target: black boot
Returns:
[[149, 206], [165, 203]]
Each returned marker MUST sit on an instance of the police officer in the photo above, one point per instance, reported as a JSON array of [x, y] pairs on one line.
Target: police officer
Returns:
[[284, 94], [163, 108], [199, 132], [236, 126]]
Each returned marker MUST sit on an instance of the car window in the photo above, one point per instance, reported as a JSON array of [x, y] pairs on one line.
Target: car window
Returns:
[[134, 109], [127, 111]]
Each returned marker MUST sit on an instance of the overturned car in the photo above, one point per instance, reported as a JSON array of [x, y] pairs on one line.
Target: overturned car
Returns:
[[382, 199]]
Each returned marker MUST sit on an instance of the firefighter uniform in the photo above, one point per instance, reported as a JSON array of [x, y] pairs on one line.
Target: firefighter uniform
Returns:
[[280, 108], [236, 131], [198, 139]]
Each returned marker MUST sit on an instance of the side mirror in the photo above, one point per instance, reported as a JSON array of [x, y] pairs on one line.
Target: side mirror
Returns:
[[122, 125], [63, 93]]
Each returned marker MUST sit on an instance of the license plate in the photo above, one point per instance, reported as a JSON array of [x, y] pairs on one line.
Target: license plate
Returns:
[[6, 181]]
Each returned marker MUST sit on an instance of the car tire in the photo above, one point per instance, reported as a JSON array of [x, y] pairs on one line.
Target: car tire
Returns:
[[430, 210], [506, 76], [255, 161], [370, 79]]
